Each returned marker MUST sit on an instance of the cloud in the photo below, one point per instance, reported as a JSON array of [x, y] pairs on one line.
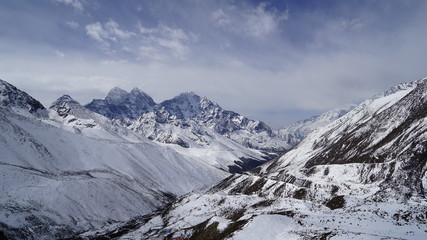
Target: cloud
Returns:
[[255, 22], [97, 32], [162, 41], [221, 18], [77, 4], [114, 30], [107, 33], [59, 54], [72, 24]]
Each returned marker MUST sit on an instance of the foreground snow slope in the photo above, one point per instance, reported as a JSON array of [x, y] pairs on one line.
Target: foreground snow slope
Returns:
[[361, 177], [252, 207]]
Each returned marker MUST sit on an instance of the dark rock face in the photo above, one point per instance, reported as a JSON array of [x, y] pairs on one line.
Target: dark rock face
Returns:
[[121, 104], [61, 105], [10, 96], [336, 202]]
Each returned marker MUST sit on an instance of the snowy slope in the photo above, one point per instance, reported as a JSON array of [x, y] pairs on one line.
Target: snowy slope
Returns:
[[383, 140], [362, 176], [253, 208], [77, 171]]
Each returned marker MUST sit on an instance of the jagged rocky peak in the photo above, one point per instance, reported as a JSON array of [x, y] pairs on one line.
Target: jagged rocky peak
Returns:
[[19, 100], [119, 96], [120, 104]]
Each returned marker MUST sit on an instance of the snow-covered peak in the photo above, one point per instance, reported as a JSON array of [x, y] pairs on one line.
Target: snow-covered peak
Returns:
[[63, 98], [68, 109], [189, 105], [19, 101], [184, 106], [138, 92], [116, 95], [207, 103], [188, 97], [188, 94]]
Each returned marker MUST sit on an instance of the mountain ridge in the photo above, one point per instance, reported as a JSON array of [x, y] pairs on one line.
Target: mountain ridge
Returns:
[[189, 109]]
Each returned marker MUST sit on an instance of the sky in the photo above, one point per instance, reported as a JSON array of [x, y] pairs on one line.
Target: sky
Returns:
[[278, 61]]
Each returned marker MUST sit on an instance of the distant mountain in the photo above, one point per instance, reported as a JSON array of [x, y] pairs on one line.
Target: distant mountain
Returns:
[[121, 104], [200, 115], [156, 121], [363, 176], [296, 132]]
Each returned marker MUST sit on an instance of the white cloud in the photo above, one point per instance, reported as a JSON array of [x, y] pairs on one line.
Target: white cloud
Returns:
[[77, 4], [114, 30], [72, 24], [147, 44], [162, 41], [255, 22], [109, 32], [96, 32], [59, 54], [221, 18], [148, 52]]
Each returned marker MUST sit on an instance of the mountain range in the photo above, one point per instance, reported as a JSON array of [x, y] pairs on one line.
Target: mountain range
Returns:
[[72, 168], [104, 169]]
